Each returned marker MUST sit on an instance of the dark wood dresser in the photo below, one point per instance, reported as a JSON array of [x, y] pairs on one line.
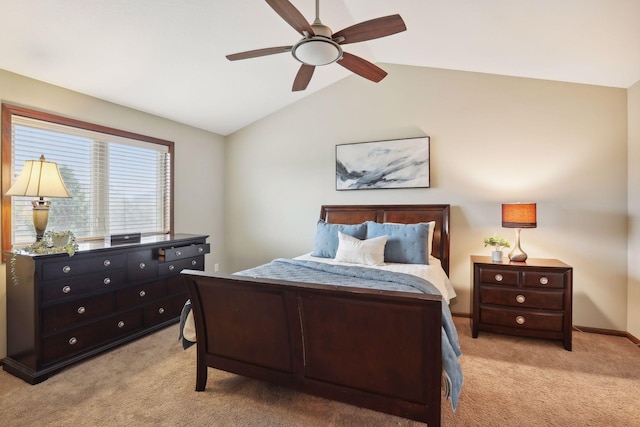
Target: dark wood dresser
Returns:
[[531, 299], [63, 309]]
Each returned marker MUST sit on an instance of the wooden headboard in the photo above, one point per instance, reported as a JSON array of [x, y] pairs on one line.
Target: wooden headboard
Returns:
[[402, 214]]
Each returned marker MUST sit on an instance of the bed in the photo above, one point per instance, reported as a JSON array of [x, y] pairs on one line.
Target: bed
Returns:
[[392, 351]]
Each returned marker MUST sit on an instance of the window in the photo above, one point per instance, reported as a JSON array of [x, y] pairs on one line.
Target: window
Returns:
[[119, 182]]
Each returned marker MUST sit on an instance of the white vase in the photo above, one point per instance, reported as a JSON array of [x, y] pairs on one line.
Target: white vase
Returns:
[[496, 256]]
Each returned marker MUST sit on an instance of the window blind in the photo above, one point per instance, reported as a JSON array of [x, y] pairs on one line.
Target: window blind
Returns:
[[117, 184]]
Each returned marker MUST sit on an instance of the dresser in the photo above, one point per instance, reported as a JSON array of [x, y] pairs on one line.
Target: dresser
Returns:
[[529, 299], [63, 309]]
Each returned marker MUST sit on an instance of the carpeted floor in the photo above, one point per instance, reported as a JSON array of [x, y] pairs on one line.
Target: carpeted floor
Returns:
[[509, 381]]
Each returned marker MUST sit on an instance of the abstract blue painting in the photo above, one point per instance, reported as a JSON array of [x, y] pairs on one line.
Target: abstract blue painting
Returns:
[[398, 163]]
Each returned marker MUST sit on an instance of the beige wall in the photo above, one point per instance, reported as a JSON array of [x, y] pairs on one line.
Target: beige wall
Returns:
[[199, 159], [494, 139], [633, 298]]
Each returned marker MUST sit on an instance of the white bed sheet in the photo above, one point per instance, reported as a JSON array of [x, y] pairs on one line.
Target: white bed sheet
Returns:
[[433, 272]]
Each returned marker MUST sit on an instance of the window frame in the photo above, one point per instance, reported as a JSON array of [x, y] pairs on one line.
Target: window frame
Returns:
[[10, 110]]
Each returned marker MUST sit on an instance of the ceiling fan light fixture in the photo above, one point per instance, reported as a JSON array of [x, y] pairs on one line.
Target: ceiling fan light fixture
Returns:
[[317, 51]]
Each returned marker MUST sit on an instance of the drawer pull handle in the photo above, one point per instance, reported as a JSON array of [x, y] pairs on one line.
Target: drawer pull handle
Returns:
[[194, 262], [499, 277], [200, 250], [161, 310], [81, 310], [520, 320], [66, 269], [544, 280], [107, 280], [73, 340], [142, 293], [178, 253], [520, 298], [171, 267], [66, 289], [142, 265], [121, 324], [106, 263]]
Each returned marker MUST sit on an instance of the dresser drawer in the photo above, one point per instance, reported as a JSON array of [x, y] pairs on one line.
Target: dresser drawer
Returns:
[[73, 266], [64, 315], [551, 300], [141, 265], [175, 267], [499, 276], [140, 294], [79, 339], [522, 319], [81, 285], [541, 279], [163, 310], [182, 252]]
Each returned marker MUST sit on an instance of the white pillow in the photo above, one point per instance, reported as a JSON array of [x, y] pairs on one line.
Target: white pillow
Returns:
[[356, 251]]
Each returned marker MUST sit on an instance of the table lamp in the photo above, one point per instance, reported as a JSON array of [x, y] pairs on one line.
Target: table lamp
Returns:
[[39, 178], [518, 216]]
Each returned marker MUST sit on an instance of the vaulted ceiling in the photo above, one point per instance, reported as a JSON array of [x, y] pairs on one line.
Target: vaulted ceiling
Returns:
[[167, 57]]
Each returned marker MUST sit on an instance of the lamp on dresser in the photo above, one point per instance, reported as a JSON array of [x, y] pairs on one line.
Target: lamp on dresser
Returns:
[[39, 178], [518, 216]]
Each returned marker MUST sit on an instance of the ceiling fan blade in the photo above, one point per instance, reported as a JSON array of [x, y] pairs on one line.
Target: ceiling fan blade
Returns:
[[291, 15], [258, 52], [372, 29], [362, 67], [303, 77]]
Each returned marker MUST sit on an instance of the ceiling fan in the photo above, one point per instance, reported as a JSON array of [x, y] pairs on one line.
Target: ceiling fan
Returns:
[[319, 46]]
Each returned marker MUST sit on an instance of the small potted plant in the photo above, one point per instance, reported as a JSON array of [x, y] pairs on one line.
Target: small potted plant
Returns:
[[498, 244]]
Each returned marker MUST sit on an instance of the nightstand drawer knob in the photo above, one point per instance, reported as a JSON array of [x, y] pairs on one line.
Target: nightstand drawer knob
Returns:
[[499, 277], [81, 310], [121, 324], [520, 320], [161, 310], [142, 293], [73, 340], [106, 280], [544, 280], [66, 269], [520, 298], [66, 289]]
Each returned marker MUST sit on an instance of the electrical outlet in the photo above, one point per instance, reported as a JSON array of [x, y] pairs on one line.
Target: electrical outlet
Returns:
[[216, 267]]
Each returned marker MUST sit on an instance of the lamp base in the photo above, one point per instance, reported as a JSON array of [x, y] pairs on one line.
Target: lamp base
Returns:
[[517, 254], [40, 217]]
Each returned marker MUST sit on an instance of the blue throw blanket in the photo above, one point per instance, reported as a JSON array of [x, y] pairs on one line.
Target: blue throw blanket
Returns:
[[317, 272]]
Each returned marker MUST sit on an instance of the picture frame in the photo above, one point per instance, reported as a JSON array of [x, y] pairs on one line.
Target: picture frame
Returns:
[[395, 163]]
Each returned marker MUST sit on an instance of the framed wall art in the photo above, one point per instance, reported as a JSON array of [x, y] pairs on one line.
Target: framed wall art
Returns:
[[397, 163]]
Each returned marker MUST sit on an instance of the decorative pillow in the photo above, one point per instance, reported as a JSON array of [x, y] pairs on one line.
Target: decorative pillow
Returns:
[[325, 244], [406, 243], [367, 252]]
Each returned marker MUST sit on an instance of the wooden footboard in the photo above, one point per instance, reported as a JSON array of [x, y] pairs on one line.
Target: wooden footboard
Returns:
[[376, 349]]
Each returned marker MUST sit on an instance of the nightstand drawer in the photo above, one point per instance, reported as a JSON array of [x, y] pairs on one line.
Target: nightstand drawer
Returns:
[[550, 300], [524, 319], [541, 279], [499, 276]]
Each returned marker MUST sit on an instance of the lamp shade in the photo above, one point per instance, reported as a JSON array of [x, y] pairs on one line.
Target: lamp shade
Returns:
[[39, 178], [519, 215]]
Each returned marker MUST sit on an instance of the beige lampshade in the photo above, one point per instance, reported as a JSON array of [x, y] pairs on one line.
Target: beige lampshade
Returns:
[[519, 215], [39, 178]]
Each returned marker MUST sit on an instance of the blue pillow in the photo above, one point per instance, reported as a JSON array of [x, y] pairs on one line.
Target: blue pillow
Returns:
[[326, 242], [406, 243]]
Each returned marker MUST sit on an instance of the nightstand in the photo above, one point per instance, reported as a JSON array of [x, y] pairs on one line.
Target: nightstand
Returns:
[[530, 299]]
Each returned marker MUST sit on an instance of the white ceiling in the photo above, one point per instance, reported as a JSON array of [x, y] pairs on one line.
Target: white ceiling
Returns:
[[167, 57]]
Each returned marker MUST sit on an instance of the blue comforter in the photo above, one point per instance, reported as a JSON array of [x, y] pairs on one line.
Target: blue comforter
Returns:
[[316, 272]]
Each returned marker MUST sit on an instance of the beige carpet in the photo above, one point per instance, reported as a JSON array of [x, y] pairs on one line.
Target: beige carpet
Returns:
[[508, 382]]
